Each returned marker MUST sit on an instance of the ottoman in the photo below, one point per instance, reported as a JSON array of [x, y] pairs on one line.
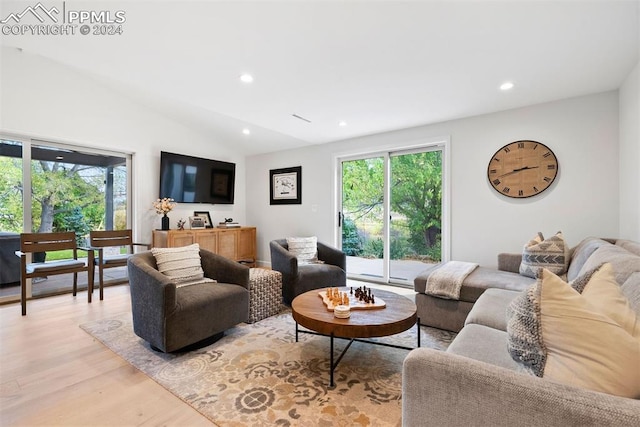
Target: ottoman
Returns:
[[265, 293]]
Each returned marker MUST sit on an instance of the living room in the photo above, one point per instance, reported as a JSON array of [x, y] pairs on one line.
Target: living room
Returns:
[[593, 131]]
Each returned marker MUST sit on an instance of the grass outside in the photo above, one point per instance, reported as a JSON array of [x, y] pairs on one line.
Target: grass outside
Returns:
[[68, 254]]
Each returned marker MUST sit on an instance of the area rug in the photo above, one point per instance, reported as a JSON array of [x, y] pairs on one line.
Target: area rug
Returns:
[[258, 375]]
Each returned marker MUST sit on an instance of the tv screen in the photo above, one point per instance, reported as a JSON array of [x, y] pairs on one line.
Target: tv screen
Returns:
[[188, 179]]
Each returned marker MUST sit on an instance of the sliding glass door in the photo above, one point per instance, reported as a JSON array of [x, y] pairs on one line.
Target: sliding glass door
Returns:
[[390, 214], [60, 188]]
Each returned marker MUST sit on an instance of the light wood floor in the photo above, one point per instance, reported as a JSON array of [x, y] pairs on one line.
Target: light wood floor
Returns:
[[54, 373]]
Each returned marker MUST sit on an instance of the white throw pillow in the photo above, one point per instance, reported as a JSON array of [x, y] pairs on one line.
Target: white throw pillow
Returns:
[[556, 333], [181, 264], [304, 248]]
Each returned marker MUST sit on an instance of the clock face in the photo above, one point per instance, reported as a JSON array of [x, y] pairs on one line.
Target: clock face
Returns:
[[522, 169]]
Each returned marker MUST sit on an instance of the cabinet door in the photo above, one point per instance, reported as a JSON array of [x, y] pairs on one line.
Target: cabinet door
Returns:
[[227, 243], [182, 238], [208, 240], [246, 244]]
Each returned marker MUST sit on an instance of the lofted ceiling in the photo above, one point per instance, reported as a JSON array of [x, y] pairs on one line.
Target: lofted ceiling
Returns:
[[376, 65]]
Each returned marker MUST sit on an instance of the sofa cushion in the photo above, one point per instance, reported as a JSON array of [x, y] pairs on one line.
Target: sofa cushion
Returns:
[[181, 264], [630, 245], [555, 333], [581, 254], [304, 248], [481, 279], [631, 289], [624, 263], [491, 308], [484, 344], [551, 253]]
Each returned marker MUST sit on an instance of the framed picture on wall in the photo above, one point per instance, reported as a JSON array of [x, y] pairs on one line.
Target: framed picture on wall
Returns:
[[206, 218], [286, 186]]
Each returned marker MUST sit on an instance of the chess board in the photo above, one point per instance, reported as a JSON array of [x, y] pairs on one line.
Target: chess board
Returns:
[[354, 303]]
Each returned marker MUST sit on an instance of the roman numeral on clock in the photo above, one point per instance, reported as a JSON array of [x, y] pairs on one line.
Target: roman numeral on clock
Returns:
[[506, 190]]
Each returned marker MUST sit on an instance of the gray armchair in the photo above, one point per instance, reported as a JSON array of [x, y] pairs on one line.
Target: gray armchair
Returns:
[[171, 318], [298, 279]]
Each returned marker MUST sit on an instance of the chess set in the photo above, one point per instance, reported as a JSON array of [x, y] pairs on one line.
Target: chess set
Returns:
[[361, 298]]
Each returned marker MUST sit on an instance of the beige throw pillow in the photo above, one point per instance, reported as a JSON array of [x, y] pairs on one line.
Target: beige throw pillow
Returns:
[[304, 248], [551, 253], [558, 334], [599, 288], [181, 264]]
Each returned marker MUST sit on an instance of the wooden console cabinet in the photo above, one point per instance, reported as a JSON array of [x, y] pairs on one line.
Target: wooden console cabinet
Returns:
[[238, 244]]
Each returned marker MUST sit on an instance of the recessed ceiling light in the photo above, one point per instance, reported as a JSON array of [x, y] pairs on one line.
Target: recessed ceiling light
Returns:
[[59, 157], [246, 131], [506, 86], [342, 123], [246, 78]]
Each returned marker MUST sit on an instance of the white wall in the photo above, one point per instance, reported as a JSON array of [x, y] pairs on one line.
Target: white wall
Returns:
[[45, 99], [583, 201], [630, 156]]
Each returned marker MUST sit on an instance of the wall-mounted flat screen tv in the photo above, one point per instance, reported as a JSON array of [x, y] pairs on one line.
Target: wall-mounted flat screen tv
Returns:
[[188, 179]]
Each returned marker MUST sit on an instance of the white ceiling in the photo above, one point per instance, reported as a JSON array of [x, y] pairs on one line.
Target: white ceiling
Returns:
[[378, 65]]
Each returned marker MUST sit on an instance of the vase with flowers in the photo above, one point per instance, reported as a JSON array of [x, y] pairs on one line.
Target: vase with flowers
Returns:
[[163, 207]]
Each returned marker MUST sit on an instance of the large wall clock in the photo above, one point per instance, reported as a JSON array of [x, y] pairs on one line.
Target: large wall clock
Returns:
[[522, 169]]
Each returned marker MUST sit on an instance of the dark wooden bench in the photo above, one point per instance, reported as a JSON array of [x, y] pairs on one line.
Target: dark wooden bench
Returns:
[[48, 242]]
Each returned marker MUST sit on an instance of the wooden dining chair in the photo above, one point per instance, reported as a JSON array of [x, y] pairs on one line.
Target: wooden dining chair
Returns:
[[31, 243], [99, 240]]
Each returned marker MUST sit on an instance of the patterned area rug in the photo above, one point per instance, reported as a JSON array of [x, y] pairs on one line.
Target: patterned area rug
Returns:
[[258, 375]]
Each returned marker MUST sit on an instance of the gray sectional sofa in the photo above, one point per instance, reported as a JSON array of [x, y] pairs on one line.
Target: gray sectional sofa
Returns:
[[477, 383]]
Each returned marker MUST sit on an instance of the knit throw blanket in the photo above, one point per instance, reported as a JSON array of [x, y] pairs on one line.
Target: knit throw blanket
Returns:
[[446, 280]]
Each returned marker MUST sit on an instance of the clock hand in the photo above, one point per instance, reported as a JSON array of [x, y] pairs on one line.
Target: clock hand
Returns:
[[518, 170]]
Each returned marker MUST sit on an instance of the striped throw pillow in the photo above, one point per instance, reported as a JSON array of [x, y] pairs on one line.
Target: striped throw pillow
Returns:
[[181, 264], [551, 253], [304, 248]]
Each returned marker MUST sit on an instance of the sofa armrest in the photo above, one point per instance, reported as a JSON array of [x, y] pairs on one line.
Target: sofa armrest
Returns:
[[509, 262], [331, 255], [440, 388], [224, 270]]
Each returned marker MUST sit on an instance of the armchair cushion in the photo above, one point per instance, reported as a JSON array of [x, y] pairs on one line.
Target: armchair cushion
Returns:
[[181, 264]]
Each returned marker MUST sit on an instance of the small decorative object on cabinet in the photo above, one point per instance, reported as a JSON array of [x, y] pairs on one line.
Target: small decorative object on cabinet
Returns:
[[163, 207], [205, 217]]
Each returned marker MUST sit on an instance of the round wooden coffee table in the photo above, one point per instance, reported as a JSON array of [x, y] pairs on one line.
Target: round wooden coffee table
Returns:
[[397, 316]]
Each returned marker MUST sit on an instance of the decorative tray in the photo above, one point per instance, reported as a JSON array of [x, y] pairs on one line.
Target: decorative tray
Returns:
[[356, 301]]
